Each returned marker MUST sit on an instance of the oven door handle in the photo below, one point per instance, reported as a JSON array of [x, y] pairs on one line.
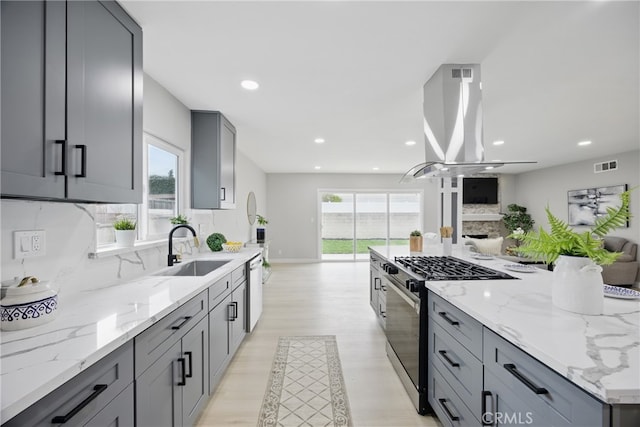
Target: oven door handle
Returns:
[[414, 304]]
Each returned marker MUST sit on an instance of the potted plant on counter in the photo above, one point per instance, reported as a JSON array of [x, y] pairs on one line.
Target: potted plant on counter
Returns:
[[415, 241], [125, 230], [260, 231], [177, 220], [577, 282]]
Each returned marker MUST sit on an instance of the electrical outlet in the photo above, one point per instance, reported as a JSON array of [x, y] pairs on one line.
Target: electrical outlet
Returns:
[[28, 243]]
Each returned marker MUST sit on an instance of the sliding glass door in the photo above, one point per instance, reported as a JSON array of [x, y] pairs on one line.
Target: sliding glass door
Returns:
[[353, 221]]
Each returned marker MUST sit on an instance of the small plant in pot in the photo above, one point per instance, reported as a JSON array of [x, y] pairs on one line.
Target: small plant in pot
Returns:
[[125, 230], [415, 241], [178, 220], [260, 231], [577, 282]]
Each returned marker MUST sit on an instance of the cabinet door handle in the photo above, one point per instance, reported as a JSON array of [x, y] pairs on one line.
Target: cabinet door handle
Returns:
[[223, 195], [443, 403], [449, 320], [484, 417], [184, 322], [83, 161], [232, 314], [183, 374], [235, 310], [61, 419], [524, 380], [189, 354], [376, 280], [63, 157], [448, 359]]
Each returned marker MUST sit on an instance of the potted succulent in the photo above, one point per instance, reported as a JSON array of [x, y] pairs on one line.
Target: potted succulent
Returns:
[[577, 282], [177, 220], [260, 231], [125, 230], [415, 241]]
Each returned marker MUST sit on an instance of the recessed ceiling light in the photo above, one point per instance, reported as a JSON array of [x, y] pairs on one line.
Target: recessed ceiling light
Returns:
[[583, 143], [500, 142], [489, 167], [249, 84], [319, 140], [375, 168], [410, 143], [318, 167]]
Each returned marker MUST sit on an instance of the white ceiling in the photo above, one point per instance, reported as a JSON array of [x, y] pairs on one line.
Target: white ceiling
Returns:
[[554, 74]]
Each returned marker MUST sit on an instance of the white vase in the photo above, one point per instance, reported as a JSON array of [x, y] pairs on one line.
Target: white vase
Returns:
[[125, 238], [447, 244], [577, 285]]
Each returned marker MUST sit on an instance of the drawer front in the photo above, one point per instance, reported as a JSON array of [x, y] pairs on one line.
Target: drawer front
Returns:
[[119, 412], [545, 391], [239, 275], [449, 408], [466, 330], [158, 338], [219, 290], [457, 365], [88, 392]]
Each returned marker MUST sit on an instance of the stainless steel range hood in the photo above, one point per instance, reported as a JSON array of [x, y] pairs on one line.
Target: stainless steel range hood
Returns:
[[453, 125]]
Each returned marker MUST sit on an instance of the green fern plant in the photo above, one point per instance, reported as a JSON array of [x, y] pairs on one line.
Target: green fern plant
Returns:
[[563, 240]]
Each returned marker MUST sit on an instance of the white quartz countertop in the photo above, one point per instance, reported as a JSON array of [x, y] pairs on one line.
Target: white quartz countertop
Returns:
[[90, 325], [600, 354]]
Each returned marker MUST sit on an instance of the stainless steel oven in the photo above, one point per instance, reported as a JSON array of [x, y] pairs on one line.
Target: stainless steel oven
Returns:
[[406, 332]]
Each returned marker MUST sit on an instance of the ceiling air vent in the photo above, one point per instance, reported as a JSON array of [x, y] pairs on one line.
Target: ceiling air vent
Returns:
[[609, 165]]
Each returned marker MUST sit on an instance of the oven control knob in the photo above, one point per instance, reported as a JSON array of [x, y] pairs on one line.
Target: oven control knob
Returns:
[[391, 269], [413, 285]]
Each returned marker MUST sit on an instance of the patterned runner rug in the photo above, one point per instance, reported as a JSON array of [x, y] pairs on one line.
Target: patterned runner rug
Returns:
[[306, 387]]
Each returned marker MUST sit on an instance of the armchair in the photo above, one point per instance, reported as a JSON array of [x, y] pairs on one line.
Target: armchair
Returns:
[[625, 270]]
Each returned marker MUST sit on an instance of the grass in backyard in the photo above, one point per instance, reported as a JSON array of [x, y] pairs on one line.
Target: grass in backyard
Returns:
[[345, 246]]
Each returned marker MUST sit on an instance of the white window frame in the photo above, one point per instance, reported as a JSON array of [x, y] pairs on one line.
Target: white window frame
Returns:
[[147, 139]]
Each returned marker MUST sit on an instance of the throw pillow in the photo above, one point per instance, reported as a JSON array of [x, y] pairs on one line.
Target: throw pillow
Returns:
[[487, 246]]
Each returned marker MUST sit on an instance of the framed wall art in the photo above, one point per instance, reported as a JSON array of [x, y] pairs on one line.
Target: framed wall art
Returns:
[[585, 206]]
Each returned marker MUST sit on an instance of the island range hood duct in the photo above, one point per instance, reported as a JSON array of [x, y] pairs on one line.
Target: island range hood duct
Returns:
[[453, 125]]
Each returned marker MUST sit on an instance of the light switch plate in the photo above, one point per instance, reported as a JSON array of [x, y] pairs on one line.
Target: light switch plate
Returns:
[[29, 243]]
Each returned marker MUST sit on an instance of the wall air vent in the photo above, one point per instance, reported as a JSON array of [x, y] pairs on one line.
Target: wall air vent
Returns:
[[456, 73], [608, 166]]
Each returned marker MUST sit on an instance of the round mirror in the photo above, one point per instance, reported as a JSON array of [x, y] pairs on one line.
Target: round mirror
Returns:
[[251, 208]]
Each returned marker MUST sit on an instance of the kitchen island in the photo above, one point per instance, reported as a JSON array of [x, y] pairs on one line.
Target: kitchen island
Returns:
[[92, 324], [599, 354]]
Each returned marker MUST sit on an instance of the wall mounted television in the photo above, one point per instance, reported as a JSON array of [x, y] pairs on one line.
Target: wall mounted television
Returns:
[[483, 191]]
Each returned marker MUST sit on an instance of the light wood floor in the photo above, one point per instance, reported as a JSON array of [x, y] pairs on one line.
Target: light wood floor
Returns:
[[317, 299]]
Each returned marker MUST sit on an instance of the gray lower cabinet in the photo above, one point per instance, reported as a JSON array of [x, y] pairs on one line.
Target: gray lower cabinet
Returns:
[[521, 390], [62, 138], [173, 390], [377, 288], [227, 328], [100, 395], [454, 370], [213, 158]]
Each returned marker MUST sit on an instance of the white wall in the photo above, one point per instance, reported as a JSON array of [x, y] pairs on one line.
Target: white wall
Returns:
[[543, 187], [70, 226], [292, 208]]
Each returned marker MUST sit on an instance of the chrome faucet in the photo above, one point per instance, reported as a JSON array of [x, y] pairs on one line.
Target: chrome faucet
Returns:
[[173, 259]]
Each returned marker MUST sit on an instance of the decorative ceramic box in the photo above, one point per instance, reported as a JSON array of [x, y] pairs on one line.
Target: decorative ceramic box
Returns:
[[27, 306]]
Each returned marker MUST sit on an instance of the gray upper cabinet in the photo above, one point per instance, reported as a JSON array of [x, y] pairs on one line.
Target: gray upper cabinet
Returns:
[[71, 102], [213, 158]]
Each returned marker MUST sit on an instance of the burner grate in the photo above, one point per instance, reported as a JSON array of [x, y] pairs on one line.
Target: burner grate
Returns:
[[448, 268]]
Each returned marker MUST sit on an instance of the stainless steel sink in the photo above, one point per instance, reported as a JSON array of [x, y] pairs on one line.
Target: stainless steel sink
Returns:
[[193, 268]]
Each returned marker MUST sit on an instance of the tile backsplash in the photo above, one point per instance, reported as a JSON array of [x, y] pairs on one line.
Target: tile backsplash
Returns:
[[70, 238]]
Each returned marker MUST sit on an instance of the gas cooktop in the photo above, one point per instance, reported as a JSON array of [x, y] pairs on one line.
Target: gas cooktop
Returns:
[[447, 268]]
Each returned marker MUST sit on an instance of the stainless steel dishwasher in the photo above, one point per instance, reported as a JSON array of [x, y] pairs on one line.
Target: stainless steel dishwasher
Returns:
[[255, 292]]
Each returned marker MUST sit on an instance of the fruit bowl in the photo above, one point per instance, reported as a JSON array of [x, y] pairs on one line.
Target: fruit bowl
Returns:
[[232, 247]]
